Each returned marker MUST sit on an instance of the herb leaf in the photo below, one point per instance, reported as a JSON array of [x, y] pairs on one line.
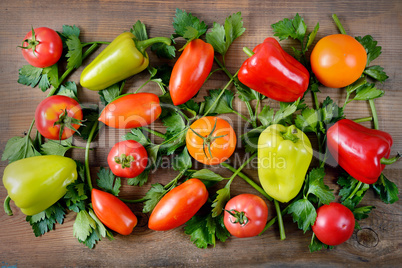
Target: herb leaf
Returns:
[[44, 221], [183, 20], [139, 30], [108, 181], [376, 72], [154, 195], [294, 28], [223, 106], [19, 148], [386, 189], [304, 213], [74, 53]]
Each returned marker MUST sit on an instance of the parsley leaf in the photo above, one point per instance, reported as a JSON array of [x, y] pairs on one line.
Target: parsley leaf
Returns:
[[44, 221], [223, 196], [182, 161], [330, 112], [207, 176], [141, 179], [91, 115], [294, 28], [74, 53], [69, 90], [162, 50], [376, 72], [317, 245], [139, 30], [153, 196], [52, 147], [34, 76], [204, 230], [83, 226], [183, 20], [223, 106], [137, 135], [386, 189], [307, 121], [246, 93], [304, 213], [368, 92], [317, 187], [71, 30], [373, 51], [221, 37], [108, 181], [348, 185], [250, 139], [19, 148], [110, 93]]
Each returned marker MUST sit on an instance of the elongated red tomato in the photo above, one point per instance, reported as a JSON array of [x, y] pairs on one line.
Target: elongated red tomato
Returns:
[[245, 215], [190, 71], [42, 47], [338, 60], [178, 206], [55, 115], [127, 159], [334, 224], [131, 111], [113, 212]]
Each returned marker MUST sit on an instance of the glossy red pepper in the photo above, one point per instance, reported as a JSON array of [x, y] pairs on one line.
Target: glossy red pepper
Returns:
[[190, 71], [274, 73], [362, 152], [113, 212]]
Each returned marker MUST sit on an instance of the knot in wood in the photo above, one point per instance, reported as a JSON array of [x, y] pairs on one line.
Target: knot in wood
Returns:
[[367, 238]]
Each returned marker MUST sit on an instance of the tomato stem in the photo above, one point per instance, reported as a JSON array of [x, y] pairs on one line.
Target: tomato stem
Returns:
[[7, 208], [280, 220], [338, 24], [248, 180], [355, 190], [87, 170], [134, 201]]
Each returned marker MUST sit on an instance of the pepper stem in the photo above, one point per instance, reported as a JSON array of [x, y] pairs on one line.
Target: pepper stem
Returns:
[[248, 51], [389, 161], [290, 134], [144, 44], [7, 208]]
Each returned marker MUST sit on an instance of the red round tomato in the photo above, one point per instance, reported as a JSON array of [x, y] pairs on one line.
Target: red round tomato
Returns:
[[131, 111], [338, 60], [55, 115], [113, 212], [245, 215], [42, 47], [178, 205], [334, 224], [127, 159], [211, 140]]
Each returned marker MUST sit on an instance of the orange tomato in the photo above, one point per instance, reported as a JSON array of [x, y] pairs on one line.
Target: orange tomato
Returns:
[[218, 142], [338, 60]]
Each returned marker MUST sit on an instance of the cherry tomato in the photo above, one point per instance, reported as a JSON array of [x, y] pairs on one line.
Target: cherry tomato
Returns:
[[131, 111], [113, 212], [55, 114], [211, 140], [338, 60], [42, 47], [334, 224], [245, 215], [127, 159], [190, 71], [178, 205]]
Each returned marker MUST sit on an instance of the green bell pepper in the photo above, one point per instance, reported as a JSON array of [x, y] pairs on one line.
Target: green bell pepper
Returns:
[[37, 182], [123, 57], [284, 155]]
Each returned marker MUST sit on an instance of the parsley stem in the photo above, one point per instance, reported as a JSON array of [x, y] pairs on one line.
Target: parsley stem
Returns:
[[90, 138], [28, 137], [242, 166], [223, 68], [134, 201], [95, 42], [154, 132], [7, 208], [280, 220], [173, 182], [138, 89], [248, 180], [338, 24], [374, 113], [354, 190], [364, 119], [273, 220], [242, 116]]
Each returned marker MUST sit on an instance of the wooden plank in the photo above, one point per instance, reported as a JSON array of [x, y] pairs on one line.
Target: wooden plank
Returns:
[[377, 244]]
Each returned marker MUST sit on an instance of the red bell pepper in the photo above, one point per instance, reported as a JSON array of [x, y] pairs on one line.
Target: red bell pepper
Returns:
[[190, 71], [274, 73], [362, 152]]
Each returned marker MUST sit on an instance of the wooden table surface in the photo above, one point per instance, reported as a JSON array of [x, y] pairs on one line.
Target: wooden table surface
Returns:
[[378, 244]]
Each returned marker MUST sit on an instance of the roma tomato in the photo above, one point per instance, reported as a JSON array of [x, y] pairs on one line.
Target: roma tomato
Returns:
[[245, 215], [190, 71], [127, 159], [58, 117], [113, 212], [211, 140], [131, 111], [334, 224], [42, 47], [178, 205], [338, 60]]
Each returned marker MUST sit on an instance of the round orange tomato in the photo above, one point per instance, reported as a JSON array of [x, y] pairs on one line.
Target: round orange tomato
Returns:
[[338, 60], [211, 140]]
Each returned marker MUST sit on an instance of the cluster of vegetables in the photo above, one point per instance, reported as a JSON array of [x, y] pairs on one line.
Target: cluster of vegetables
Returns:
[[44, 183]]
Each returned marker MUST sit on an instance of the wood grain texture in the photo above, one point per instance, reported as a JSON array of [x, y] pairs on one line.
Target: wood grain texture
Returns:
[[379, 243]]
